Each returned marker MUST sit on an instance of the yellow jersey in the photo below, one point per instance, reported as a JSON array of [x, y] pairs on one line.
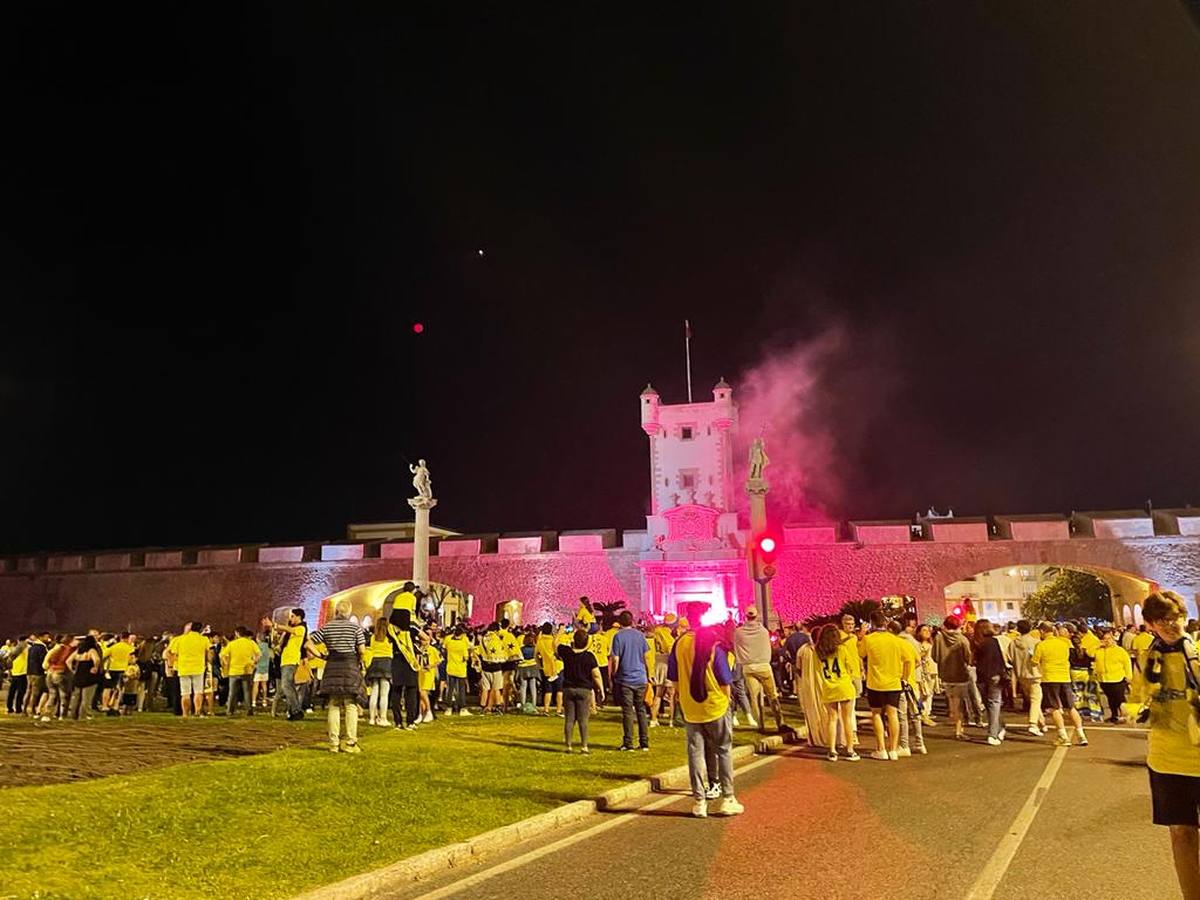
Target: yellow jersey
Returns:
[[885, 660], [1112, 664], [1053, 657], [192, 649], [1169, 746], [716, 702], [457, 650], [837, 684]]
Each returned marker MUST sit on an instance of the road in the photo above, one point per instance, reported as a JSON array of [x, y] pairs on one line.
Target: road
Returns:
[[966, 821]]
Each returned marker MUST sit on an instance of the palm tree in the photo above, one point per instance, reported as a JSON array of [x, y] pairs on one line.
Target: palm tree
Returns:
[[608, 612]]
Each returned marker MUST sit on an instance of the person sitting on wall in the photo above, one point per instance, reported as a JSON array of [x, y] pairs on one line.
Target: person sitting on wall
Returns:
[[585, 617]]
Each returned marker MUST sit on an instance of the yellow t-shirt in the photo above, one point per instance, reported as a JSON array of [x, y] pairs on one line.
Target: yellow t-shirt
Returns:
[[599, 644], [885, 660], [239, 656], [457, 650], [837, 684], [191, 648], [586, 616], [696, 711], [381, 649], [116, 657], [1053, 657], [427, 677], [20, 663], [293, 642], [512, 648], [662, 639], [1089, 642], [1112, 664], [912, 658], [851, 641], [1169, 749]]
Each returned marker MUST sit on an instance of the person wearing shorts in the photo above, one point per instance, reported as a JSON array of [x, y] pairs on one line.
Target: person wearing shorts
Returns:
[[1172, 673], [493, 653], [1053, 658], [888, 667], [191, 662]]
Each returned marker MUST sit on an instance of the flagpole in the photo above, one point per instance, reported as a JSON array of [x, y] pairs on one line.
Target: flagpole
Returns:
[[687, 350]]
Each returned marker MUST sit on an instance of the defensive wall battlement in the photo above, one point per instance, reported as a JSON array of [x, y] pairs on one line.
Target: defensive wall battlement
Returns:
[[820, 566]]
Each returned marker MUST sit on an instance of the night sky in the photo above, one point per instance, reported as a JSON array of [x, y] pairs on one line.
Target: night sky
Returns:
[[218, 234]]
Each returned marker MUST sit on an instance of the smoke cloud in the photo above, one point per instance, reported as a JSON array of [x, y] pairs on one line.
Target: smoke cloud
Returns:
[[813, 403]]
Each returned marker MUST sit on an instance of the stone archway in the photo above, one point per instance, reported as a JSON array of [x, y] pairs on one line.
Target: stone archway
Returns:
[[999, 593]]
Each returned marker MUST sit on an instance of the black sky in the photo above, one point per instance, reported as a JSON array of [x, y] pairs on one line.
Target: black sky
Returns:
[[219, 231]]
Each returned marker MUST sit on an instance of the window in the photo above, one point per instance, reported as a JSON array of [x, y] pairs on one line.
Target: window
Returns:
[[687, 480], [685, 433]]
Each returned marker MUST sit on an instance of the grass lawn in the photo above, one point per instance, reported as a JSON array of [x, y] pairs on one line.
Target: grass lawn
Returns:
[[276, 824]]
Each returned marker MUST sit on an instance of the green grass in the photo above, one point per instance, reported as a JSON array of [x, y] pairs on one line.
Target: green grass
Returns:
[[277, 824]]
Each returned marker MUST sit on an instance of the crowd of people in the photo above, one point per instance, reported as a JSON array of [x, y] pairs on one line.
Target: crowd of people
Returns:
[[404, 672]]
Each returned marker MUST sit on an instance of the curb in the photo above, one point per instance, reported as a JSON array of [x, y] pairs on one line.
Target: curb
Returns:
[[432, 862]]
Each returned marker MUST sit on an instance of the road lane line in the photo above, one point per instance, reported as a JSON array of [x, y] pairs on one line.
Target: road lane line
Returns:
[[516, 862], [989, 879]]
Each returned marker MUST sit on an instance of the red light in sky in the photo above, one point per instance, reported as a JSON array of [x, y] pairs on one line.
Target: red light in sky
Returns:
[[418, 327], [767, 545]]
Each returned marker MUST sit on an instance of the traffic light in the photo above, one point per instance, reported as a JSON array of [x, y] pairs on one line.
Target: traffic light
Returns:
[[764, 548]]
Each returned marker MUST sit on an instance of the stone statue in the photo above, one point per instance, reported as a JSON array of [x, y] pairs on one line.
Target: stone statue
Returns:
[[421, 481], [758, 459]]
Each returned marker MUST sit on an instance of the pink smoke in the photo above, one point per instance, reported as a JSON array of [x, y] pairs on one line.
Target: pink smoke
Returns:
[[786, 399]]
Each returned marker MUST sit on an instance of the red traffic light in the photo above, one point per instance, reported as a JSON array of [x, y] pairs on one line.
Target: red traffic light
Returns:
[[767, 545], [958, 610]]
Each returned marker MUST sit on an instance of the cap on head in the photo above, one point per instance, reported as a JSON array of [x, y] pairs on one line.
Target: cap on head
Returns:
[[669, 619], [752, 613]]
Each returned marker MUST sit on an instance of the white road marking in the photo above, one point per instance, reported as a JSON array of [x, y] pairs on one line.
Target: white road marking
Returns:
[[516, 862], [989, 879]]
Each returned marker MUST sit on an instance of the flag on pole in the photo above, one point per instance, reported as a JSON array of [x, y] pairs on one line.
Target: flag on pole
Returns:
[[687, 330]]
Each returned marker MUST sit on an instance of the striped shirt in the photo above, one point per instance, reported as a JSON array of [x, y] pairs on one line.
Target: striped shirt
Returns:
[[339, 636]]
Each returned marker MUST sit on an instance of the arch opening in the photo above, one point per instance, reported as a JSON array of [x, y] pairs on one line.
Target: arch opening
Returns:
[[1002, 594]]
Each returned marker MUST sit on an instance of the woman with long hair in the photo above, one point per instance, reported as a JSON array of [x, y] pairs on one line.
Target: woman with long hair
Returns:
[[581, 675], [379, 674], [811, 693], [991, 669], [84, 664], [835, 667]]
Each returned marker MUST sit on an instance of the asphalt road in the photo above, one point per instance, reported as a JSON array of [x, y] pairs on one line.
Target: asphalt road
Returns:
[[966, 821]]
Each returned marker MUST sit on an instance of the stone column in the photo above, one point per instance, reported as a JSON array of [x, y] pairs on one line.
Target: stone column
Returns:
[[756, 490], [421, 506]]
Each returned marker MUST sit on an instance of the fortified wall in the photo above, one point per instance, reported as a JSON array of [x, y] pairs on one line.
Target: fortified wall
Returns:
[[820, 567]]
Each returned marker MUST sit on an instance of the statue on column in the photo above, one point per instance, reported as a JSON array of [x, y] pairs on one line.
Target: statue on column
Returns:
[[421, 480], [758, 459]]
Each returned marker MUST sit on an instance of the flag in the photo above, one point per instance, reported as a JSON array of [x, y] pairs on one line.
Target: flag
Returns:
[[687, 330]]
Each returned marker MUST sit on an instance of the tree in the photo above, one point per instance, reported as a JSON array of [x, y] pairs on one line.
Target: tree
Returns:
[[607, 612], [1071, 595]]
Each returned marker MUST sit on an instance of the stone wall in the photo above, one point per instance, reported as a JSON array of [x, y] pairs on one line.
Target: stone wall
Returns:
[[148, 599]]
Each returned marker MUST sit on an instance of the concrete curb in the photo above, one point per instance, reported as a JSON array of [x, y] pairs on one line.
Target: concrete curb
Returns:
[[430, 863]]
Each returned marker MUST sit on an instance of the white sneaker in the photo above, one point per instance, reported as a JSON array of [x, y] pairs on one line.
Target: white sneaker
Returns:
[[1079, 735], [832, 756], [728, 806], [1035, 731], [47, 719], [654, 723], [700, 809], [750, 721], [880, 754], [1003, 733], [464, 712], [922, 751], [428, 717], [993, 742], [737, 723], [903, 752], [893, 755], [853, 756], [373, 722]]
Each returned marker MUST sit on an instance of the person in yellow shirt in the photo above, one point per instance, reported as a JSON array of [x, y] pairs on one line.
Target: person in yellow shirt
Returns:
[[600, 642], [699, 669], [116, 660], [457, 647], [1053, 657], [19, 672], [1140, 649], [429, 659], [835, 665], [1112, 669], [294, 634], [190, 660], [585, 617], [662, 639], [238, 660], [1172, 673], [546, 651], [493, 653], [887, 669], [849, 633], [379, 673]]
